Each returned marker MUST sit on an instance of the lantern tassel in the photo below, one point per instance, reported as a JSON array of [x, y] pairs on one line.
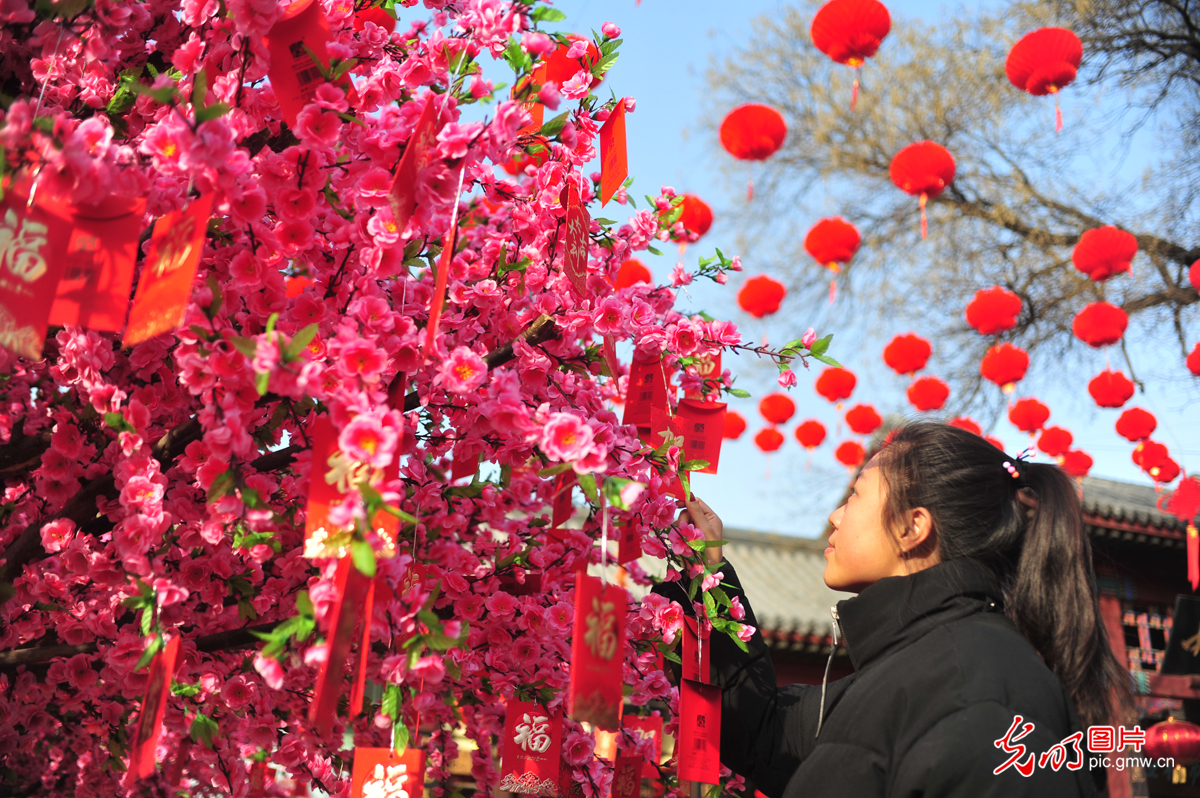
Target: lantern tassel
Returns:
[[854, 93], [750, 189], [1193, 555], [832, 290], [924, 222], [1057, 116]]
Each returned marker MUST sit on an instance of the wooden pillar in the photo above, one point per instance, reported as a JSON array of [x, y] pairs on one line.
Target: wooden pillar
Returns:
[[1119, 783]]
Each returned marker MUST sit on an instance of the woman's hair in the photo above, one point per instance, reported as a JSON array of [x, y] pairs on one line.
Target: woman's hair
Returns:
[[1029, 530]]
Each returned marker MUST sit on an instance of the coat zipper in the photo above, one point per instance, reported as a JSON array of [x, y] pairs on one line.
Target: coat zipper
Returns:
[[825, 680]]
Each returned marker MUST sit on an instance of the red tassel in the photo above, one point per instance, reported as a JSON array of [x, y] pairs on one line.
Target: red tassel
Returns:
[[924, 222], [750, 190], [1193, 555], [1057, 116], [832, 291], [854, 94]]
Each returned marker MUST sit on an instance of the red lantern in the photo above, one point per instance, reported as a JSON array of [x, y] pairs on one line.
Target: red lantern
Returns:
[[928, 393], [735, 425], [1149, 454], [962, 422], [1177, 739], [810, 433], [753, 132], [906, 354], [632, 272], [777, 408], [374, 14], [1077, 464], [1166, 472], [1193, 361], [516, 164], [1100, 324], [993, 310], [922, 169], [1103, 252], [1194, 275], [832, 242], [1005, 365], [850, 31], [836, 384], [1043, 62], [1110, 388], [1136, 424], [863, 419], [760, 296], [697, 216], [1028, 415], [768, 439], [850, 453], [560, 69], [999, 444], [1055, 441]]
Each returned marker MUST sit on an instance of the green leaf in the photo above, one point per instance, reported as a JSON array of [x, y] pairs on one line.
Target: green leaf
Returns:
[[554, 470], [221, 485], [262, 381], [155, 646], [199, 89], [554, 126], [588, 483], [400, 736], [827, 360], [364, 557], [304, 604], [247, 346], [821, 345], [117, 422], [545, 14], [738, 392], [693, 465], [211, 112], [204, 729], [185, 690], [299, 342], [653, 251], [407, 518], [710, 606]]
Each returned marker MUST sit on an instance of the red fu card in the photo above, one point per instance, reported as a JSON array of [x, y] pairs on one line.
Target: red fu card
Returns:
[[384, 772], [403, 194], [703, 428], [93, 291], [597, 651], [166, 283], [568, 787], [709, 371], [696, 649], [154, 704], [532, 749], [627, 777], [648, 387], [575, 241], [630, 546], [351, 591], [33, 250], [642, 728], [293, 74], [699, 746], [614, 166]]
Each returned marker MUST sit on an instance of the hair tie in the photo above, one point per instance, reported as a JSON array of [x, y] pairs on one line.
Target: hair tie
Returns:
[[1012, 470]]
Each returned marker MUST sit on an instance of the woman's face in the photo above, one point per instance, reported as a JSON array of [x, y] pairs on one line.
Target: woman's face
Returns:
[[860, 550]]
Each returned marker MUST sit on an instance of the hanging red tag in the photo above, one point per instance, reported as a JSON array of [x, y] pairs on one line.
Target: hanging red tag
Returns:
[[665, 428], [568, 787], [695, 652], [380, 772], [699, 744], [561, 503], [614, 166], [463, 465], [648, 387], [438, 298], [532, 749], [648, 727], [630, 546], [166, 283], [364, 650], [260, 774], [575, 241], [531, 585], [609, 350], [627, 777], [351, 588], [709, 371], [703, 428], [403, 194], [93, 291], [33, 249], [396, 391], [154, 704], [293, 74], [597, 649]]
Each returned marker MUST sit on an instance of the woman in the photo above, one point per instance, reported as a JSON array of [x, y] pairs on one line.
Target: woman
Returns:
[[976, 604]]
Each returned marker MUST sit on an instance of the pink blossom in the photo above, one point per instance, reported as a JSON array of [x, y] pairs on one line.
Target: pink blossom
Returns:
[[577, 86], [57, 534], [463, 371], [736, 609], [787, 378], [745, 632], [578, 747], [537, 44], [809, 338], [610, 30], [680, 276], [565, 438], [317, 127], [369, 441], [609, 317]]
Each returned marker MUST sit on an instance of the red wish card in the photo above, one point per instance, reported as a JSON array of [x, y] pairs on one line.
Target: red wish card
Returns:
[[351, 586], [597, 651], [648, 387], [696, 652], [441, 280], [293, 43], [703, 428], [575, 241], [403, 194], [627, 777], [629, 547], [532, 749], [698, 748], [166, 283], [614, 166], [364, 650], [384, 772], [33, 249], [609, 350], [561, 502], [93, 291], [154, 704], [709, 371], [649, 727], [568, 787]]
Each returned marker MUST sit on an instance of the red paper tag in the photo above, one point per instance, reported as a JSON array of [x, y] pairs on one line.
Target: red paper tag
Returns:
[[293, 74], [609, 350], [648, 387], [360, 677], [699, 747], [154, 704], [463, 465], [575, 241], [438, 298], [695, 652], [403, 194], [703, 428], [93, 291], [568, 787], [386, 772], [627, 777], [630, 546], [561, 503], [709, 371], [260, 774], [166, 283], [351, 588], [33, 249], [532, 749], [531, 585], [597, 650], [614, 166], [641, 728], [396, 391]]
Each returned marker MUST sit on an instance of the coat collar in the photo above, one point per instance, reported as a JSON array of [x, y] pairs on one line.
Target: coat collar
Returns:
[[897, 610]]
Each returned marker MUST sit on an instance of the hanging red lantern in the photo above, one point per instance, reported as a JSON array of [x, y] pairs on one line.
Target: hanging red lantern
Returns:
[[836, 384], [850, 32], [850, 454], [1103, 252], [1176, 739], [1194, 275], [999, 444], [632, 272], [928, 393], [1110, 388], [1100, 324], [907, 354], [753, 132], [1166, 472], [1055, 441], [777, 408], [735, 425], [768, 439], [922, 169], [863, 419], [962, 422], [1149, 454], [516, 165], [993, 310], [560, 68], [1193, 361], [1136, 424], [1077, 464], [1005, 365], [810, 433], [1043, 62], [697, 217], [760, 296], [832, 242], [374, 14], [1028, 415]]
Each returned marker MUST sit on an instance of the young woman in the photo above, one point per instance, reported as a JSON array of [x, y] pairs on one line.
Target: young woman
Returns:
[[976, 605]]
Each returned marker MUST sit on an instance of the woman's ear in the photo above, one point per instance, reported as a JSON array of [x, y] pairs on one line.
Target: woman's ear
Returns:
[[917, 539]]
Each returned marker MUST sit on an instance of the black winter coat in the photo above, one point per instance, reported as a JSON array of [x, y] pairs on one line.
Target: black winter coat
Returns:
[[940, 674]]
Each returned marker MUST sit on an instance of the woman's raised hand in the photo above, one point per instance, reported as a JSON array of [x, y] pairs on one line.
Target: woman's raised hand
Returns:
[[701, 516]]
